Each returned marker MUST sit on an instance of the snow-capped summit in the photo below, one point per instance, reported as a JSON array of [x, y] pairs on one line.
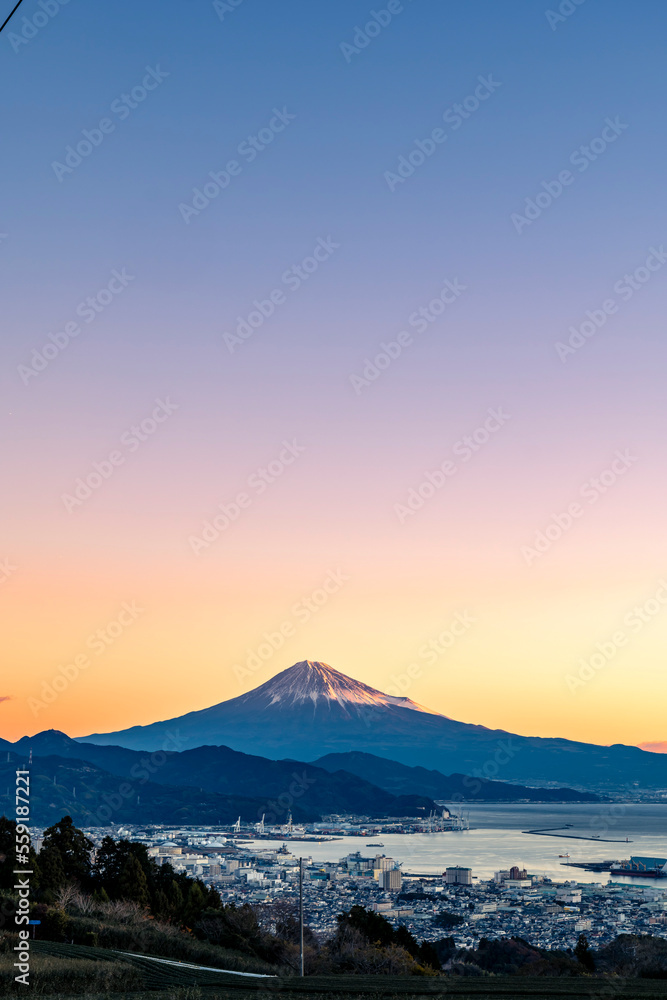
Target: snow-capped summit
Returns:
[[293, 710], [312, 681]]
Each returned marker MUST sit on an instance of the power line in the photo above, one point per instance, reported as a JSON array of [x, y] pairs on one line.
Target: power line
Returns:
[[11, 15], [301, 916]]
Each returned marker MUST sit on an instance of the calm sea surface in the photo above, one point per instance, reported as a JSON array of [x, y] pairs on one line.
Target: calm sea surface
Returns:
[[496, 840]]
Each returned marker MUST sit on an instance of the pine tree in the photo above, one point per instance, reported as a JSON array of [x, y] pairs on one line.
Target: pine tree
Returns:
[[584, 954], [74, 849], [194, 905], [108, 865], [176, 901], [132, 884], [52, 872]]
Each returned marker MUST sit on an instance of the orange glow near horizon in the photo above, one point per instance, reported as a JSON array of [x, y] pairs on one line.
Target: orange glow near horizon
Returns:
[[163, 656]]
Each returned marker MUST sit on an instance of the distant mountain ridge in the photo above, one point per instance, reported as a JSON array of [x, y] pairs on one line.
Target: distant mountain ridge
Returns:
[[211, 785], [62, 786], [207, 784], [311, 710], [398, 778]]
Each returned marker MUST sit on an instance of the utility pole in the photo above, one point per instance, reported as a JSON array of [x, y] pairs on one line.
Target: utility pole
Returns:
[[301, 913]]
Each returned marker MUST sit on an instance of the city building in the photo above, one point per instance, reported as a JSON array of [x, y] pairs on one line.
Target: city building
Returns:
[[390, 878], [546, 912], [458, 876], [569, 896]]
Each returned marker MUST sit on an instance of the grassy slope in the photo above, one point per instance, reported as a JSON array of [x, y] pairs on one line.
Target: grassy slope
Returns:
[[71, 970]]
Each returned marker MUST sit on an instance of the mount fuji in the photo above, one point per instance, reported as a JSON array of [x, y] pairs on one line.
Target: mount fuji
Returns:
[[323, 687], [310, 710]]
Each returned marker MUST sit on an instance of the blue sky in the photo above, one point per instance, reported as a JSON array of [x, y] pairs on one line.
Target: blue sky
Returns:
[[223, 78]]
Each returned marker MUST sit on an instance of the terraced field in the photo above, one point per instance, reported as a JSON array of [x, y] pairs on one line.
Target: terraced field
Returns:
[[138, 977]]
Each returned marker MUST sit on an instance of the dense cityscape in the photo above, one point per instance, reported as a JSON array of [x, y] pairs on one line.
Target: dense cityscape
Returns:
[[514, 903]]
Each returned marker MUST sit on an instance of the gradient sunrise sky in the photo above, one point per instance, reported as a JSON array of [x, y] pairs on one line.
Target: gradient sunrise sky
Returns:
[[344, 108]]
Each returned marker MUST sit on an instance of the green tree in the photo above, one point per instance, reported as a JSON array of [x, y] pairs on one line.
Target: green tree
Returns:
[[194, 905], [234, 927], [54, 924], [374, 927], [108, 865], [111, 862], [584, 955], [377, 931], [213, 899], [52, 873], [132, 883], [175, 896], [74, 849]]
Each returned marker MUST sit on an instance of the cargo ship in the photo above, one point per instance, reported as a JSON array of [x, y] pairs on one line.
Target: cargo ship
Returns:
[[641, 868]]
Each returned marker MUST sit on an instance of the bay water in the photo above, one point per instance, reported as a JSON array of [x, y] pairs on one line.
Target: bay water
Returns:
[[496, 840]]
